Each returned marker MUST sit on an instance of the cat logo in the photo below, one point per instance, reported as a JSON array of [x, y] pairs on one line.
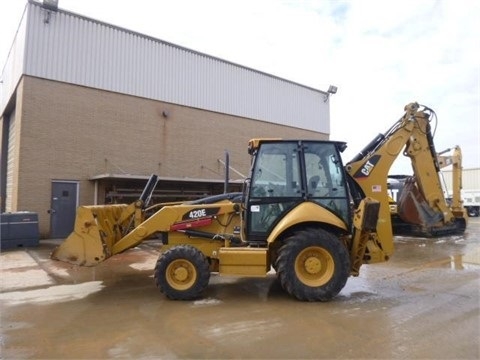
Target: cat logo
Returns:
[[367, 168]]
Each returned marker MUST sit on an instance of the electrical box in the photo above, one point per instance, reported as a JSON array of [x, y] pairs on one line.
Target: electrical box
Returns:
[[19, 229]]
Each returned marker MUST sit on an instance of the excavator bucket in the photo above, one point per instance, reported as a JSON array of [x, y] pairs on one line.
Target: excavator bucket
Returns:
[[96, 229], [413, 207], [415, 217]]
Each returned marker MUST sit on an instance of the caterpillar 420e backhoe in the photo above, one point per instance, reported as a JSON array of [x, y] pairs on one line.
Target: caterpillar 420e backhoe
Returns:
[[302, 212]]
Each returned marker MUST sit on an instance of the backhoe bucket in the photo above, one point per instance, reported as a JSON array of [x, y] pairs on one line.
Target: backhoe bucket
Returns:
[[415, 217], [96, 230], [414, 208]]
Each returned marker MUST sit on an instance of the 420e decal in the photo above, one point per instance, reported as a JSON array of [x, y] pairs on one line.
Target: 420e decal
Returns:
[[200, 213]]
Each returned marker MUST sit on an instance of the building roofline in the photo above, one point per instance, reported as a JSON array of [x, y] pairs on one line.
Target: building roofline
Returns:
[[36, 3]]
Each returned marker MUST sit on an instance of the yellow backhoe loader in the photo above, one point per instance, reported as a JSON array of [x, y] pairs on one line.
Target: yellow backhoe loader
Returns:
[[302, 212]]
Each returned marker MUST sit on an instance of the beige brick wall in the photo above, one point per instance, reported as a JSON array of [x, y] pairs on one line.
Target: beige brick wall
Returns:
[[70, 132]]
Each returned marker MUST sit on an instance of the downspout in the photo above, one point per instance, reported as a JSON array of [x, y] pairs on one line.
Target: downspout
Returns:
[[227, 172]]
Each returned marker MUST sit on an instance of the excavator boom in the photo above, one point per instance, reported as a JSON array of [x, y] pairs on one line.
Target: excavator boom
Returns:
[[422, 209], [415, 216]]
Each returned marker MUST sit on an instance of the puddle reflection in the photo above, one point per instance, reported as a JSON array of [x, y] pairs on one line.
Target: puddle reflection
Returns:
[[465, 261]]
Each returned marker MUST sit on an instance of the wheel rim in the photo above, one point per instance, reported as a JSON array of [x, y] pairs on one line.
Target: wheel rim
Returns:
[[314, 266], [181, 274]]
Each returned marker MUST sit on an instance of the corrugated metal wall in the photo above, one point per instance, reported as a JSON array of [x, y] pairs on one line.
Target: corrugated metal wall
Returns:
[[69, 48]]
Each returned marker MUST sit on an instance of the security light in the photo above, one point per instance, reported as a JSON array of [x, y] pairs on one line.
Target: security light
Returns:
[[50, 4], [331, 90]]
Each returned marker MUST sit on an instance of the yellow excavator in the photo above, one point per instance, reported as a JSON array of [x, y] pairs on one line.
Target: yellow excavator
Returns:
[[302, 212]]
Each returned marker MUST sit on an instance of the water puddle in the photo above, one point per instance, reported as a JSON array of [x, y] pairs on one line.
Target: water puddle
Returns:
[[470, 260], [60, 293], [206, 302]]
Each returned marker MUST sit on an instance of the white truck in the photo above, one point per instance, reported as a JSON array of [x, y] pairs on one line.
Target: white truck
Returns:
[[471, 202]]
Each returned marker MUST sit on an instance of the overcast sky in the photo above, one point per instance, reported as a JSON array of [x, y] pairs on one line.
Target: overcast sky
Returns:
[[380, 54]]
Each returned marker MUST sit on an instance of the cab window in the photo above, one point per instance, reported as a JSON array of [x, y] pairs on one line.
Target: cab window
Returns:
[[325, 177]]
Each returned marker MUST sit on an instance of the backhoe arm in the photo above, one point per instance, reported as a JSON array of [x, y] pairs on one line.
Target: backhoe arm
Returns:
[[370, 167], [422, 207], [423, 200], [421, 151]]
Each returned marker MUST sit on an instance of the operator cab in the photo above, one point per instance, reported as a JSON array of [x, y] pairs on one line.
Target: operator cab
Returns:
[[286, 173]]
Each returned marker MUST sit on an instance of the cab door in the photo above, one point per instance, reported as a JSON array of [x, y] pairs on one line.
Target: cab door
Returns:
[[286, 173], [276, 187]]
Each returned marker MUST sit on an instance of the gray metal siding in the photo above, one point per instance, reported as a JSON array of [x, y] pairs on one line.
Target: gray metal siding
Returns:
[[13, 68], [69, 48]]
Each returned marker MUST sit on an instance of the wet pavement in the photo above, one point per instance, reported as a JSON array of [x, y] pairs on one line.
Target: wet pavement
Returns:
[[423, 303]]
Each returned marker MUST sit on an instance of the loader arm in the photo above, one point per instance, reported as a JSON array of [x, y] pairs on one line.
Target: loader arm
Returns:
[[105, 230], [176, 218]]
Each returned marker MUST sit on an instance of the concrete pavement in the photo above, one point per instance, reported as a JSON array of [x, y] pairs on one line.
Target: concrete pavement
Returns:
[[423, 304]]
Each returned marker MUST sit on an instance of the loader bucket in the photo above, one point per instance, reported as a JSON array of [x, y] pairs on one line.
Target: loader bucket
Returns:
[[96, 230]]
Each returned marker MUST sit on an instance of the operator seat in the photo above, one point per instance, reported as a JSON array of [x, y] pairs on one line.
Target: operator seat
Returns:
[[313, 183]]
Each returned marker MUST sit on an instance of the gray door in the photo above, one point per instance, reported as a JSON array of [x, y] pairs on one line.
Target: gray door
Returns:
[[63, 208]]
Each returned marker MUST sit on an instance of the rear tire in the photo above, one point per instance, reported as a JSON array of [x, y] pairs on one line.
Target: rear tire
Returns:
[[473, 211], [182, 273], [313, 265]]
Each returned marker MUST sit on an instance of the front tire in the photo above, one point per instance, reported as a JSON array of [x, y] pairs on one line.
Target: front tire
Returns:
[[313, 265], [182, 273]]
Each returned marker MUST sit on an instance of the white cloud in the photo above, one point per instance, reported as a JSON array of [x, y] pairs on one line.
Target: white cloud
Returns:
[[381, 54]]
